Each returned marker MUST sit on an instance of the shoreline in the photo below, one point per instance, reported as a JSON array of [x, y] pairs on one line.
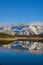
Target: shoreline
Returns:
[[23, 39]]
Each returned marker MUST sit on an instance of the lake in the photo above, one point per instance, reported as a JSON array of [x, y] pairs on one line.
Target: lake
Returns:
[[15, 54]]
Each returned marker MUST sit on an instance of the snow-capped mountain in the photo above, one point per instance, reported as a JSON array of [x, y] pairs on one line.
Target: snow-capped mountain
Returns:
[[8, 30], [11, 29], [17, 29], [26, 29], [32, 30]]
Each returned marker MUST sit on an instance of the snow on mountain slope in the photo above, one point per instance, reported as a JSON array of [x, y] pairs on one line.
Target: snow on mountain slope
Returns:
[[25, 29], [32, 30], [8, 30]]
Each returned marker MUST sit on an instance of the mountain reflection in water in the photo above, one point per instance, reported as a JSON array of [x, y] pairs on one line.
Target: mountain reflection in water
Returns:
[[17, 54], [30, 47]]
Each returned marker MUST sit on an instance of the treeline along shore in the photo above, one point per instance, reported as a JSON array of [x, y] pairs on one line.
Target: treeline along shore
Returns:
[[7, 38]]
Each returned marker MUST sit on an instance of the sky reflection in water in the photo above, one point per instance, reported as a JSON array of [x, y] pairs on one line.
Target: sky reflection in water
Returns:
[[12, 56]]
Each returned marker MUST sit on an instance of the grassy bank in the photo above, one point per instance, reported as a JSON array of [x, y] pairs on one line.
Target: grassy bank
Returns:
[[19, 38], [3, 35]]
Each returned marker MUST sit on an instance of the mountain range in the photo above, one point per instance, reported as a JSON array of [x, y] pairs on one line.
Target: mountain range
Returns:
[[23, 29]]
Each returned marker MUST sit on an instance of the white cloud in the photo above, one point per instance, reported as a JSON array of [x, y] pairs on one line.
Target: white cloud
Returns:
[[36, 23]]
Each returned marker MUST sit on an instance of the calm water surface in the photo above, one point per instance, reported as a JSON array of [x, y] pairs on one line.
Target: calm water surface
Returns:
[[13, 56]]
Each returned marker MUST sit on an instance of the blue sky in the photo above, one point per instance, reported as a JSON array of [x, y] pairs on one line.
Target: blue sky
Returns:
[[20, 11]]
